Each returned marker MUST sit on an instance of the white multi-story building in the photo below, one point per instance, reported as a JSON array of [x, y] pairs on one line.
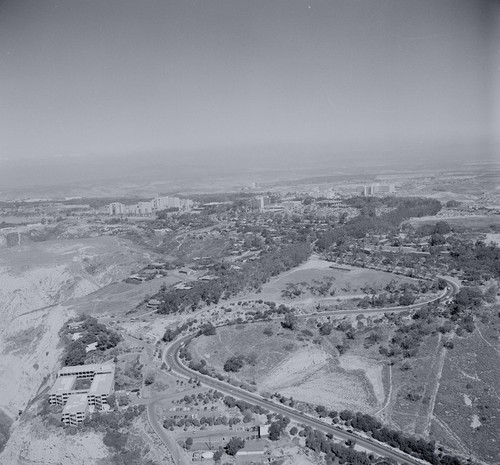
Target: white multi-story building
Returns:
[[116, 208], [75, 410], [100, 389], [149, 207], [375, 189], [77, 401]]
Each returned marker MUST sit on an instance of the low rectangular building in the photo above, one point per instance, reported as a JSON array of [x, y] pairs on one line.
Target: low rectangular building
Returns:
[[87, 371]]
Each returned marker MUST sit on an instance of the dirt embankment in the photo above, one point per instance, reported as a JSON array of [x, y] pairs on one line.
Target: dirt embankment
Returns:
[[32, 445], [38, 283]]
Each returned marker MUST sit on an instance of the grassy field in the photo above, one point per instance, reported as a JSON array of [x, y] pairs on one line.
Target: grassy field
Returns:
[[414, 382], [248, 340], [467, 410], [345, 283]]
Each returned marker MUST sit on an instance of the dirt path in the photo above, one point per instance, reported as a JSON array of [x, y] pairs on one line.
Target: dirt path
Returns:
[[441, 355], [388, 400], [460, 445], [488, 343]]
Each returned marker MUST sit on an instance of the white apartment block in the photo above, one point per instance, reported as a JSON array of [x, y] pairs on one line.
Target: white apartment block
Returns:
[[150, 207], [75, 410], [77, 401]]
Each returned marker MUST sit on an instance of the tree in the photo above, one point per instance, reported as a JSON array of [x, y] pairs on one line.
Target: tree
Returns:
[[234, 445], [150, 379], [115, 439], [208, 329], [189, 443], [290, 321], [112, 400], [350, 443], [325, 329], [274, 431], [490, 294], [234, 363], [442, 227], [407, 298], [76, 354], [437, 239], [218, 454], [169, 335]]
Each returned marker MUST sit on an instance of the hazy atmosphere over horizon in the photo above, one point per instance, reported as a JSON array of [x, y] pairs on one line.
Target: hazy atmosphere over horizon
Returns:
[[106, 77]]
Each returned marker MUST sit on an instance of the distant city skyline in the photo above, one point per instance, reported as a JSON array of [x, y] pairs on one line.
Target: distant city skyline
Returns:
[[112, 77]]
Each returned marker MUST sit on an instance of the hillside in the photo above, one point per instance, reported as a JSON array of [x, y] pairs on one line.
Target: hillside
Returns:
[[39, 282]]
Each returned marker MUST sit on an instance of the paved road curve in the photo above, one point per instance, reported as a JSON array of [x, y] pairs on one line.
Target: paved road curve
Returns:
[[171, 358]]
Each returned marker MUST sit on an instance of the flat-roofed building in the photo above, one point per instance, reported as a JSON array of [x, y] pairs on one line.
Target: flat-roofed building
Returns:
[[100, 389], [116, 208], [252, 448], [75, 324], [77, 401], [75, 409], [87, 371], [61, 390]]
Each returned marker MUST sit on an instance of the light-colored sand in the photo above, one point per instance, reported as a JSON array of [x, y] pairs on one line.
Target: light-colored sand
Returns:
[[493, 237], [336, 390], [296, 368], [312, 375], [370, 368], [475, 423]]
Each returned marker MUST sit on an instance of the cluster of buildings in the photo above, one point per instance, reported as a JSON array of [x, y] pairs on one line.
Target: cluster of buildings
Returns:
[[258, 203], [375, 189], [149, 207], [81, 389]]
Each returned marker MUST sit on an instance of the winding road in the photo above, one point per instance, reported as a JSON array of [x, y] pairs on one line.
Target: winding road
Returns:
[[171, 358]]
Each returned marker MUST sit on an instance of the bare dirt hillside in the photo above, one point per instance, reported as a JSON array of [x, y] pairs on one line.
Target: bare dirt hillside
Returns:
[[38, 282]]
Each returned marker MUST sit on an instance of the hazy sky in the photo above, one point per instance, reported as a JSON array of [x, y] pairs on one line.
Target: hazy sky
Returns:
[[111, 76]]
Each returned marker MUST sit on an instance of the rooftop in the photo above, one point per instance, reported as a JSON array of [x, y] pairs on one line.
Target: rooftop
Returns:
[[76, 403], [102, 384], [97, 368], [64, 384]]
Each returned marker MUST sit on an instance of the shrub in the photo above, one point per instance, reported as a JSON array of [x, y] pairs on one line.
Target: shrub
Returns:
[[234, 363]]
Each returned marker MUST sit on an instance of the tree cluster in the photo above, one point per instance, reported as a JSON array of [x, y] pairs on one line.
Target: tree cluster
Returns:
[[367, 222], [171, 334], [234, 445], [230, 282], [243, 405], [91, 331], [419, 448], [478, 261]]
